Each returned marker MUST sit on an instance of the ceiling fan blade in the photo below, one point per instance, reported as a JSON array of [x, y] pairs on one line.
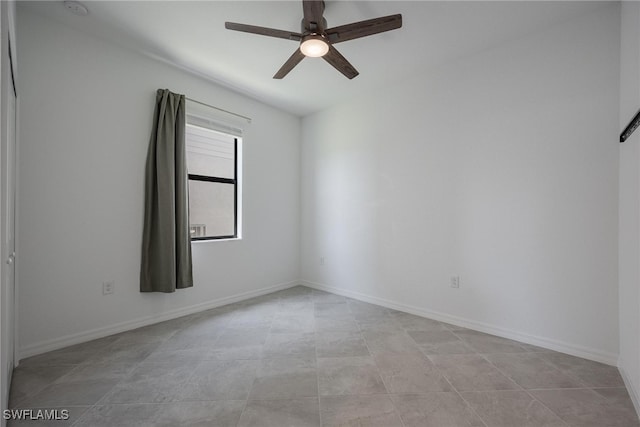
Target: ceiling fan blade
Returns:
[[364, 28], [288, 66], [313, 11], [340, 63], [263, 31]]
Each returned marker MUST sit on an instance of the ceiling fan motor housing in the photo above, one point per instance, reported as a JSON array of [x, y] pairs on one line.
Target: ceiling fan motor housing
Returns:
[[304, 30]]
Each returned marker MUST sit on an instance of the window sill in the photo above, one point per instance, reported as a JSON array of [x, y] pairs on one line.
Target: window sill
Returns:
[[232, 239]]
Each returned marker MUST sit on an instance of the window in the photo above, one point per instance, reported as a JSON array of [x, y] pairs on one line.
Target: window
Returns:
[[212, 162]]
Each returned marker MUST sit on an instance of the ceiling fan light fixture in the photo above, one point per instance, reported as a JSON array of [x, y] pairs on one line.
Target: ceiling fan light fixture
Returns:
[[317, 40], [314, 46]]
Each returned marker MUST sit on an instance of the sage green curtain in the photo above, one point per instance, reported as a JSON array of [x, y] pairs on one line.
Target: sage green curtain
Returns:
[[166, 243]]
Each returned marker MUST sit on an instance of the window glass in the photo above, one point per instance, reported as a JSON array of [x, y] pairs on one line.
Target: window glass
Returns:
[[211, 208], [213, 185]]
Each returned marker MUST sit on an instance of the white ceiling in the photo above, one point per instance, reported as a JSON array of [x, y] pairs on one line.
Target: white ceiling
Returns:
[[191, 34]]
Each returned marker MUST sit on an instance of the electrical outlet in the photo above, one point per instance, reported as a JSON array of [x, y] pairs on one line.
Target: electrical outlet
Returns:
[[455, 281], [321, 260], [108, 287]]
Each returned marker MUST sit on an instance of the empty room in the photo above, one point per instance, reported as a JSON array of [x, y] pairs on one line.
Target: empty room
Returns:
[[320, 213]]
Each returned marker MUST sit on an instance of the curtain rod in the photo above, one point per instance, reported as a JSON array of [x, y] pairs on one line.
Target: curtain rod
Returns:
[[248, 119]]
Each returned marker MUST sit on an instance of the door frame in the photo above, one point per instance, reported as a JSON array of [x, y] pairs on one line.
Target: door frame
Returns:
[[14, 292], [8, 198]]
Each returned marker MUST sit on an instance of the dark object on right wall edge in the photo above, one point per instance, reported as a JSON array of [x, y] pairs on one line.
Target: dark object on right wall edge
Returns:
[[633, 125]]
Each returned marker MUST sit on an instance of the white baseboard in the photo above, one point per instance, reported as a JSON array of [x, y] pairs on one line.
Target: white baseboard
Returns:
[[547, 343], [67, 340], [633, 393], [563, 347]]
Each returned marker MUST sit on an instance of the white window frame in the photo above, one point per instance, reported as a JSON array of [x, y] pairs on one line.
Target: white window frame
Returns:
[[229, 131]]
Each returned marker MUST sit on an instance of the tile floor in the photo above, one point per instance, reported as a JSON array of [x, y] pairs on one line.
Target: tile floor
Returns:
[[302, 357]]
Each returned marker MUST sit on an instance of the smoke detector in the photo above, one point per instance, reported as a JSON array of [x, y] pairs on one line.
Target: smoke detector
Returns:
[[76, 8]]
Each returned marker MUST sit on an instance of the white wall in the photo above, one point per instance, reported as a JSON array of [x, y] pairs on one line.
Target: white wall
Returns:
[[86, 110], [629, 239], [501, 168]]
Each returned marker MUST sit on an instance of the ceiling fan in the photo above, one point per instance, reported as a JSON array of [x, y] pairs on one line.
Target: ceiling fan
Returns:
[[316, 40]]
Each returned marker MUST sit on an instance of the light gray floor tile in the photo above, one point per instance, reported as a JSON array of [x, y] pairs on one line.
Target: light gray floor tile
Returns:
[[349, 376], [380, 325], [530, 371], [29, 380], [370, 411], [340, 344], [415, 381], [242, 337], [294, 292], [138, 415], [35, 419], [176, 357], [281, 413], [586, 408], [409, 373], [245, 352], [225, 311], [293, 323], [220, 380], [326, 297], [266, 353], [253, 317], [97, 371], [205, 327], [151, 383], [149, 334], [511, 408], [285, 379], [290, 345], [618, 395], [79, 393], [435, 410], [184, 341], [129, 339], [383, 341], [391, 359], [333, 311], [326, 324], [592, 374], [239, 344], [485, 343], [472, 372], [365, 311], [72, 355], [440, 342], [296, 298], [412, 322], [126, 354], [220, 413], [296, 306]]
